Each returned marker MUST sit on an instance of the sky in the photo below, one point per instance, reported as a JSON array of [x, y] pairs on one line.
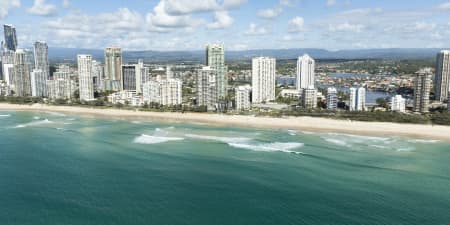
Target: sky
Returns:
[[165, 25]]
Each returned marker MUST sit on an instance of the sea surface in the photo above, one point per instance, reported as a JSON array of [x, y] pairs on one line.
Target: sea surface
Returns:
[[58, 169]]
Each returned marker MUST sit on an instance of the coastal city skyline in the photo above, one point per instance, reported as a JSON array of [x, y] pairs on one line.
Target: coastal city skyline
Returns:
[[241, 24]]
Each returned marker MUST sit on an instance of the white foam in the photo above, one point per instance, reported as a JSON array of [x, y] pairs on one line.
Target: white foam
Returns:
[[7, 115], [406, 149], [221, 139], [379, 146], [35, 123], [423, 141], [337, 142], [292, 132], [55, 113], [271, 147], [136, 122], [147, 139], [360, 137], [71, 119], [36, 118]]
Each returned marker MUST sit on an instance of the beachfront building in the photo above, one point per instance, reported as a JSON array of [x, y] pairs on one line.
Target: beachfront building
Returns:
[[206, 88], [22, 70], [332, 98], [8, 74], [41, 59], [142, 75], [86, 83], [398, 104], [243, 97], [305, 72], [309, 97], [113, 69], [126, 97], [357, 99], [422, 87], [39, 83], [129, 77], [98, 74], [442, 78], [215, 59], [448, 101], [263, 79], [59, 88], [164, 92]]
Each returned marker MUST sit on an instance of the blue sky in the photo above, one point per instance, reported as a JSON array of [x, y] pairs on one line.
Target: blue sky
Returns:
[[240, 24]]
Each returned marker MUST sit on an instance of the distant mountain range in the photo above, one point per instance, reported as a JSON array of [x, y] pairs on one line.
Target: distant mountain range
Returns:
[[69, 54]]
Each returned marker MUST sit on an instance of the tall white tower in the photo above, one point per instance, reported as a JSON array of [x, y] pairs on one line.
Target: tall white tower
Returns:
[[305, 72], [85, 76], [442, 78], [263, 79]]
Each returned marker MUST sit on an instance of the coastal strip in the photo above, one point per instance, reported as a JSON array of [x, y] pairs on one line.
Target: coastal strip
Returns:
[[294, 123]]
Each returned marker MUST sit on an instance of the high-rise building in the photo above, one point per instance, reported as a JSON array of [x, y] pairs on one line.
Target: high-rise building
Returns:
[[164, 92], [10, 37], [8, 74], [206, 88], [129, 77], [357, 99], [332, 98], [398, 104], [243, 98], [309, 97], [142, 75], [263, 79], [97, 74], [59, 88], [422, 87], [448, 102], [305, 72], [215, 58], [86, 84], [41, 58], [22, 70], [113, 68], [39, 83], [442, 78]]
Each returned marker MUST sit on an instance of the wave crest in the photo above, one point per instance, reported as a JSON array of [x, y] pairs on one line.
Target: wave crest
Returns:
[[148, 139]]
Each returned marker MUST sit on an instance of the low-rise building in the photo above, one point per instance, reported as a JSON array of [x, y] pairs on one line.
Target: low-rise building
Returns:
[[332, 99], [126, 98], [309, 98], [164, 92], [243, 98], [398, 104]]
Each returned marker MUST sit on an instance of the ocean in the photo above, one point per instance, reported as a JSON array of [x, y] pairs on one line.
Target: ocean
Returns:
[[58, 169]]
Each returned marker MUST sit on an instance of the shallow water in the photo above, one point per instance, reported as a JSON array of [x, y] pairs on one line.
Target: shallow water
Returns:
[[58, 169]]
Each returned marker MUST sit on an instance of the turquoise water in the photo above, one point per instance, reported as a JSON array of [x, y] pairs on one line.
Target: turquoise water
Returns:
[[62, 169]]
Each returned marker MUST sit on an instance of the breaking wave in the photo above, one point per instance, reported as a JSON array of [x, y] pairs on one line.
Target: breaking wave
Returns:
[[270, 147], [35, 123], [221, 139], [148, 139], [423, 141], [6, 115]]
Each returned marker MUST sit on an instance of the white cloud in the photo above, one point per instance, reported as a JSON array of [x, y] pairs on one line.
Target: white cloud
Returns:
[[444, 6], [181, 7], [289, 38], [40, 8], [288, 3], [331, 3], [65, 4], [296, 24], [161, 21], [270, 13], [346, 27], [222, 20], [6, 5], [256, 30]]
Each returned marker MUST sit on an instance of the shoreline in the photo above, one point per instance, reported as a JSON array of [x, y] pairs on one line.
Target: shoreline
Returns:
[[294, 123]]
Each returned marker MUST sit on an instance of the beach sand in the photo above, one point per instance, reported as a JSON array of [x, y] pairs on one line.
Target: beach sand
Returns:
[[294, 123]]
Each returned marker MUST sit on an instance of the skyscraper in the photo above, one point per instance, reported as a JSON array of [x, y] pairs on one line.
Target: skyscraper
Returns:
[[263, 79], [22, 69], [206, 88], [215, 58], [142, 75], [422, 88], [39, 83], [113, 68], [10, 37], [85, 77], [41, 58], [305, 72], [357, 99], [332, 99], [442, 78], [129, 77]]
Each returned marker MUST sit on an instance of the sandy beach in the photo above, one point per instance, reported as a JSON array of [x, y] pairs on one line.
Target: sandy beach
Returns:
[[294, 123]]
